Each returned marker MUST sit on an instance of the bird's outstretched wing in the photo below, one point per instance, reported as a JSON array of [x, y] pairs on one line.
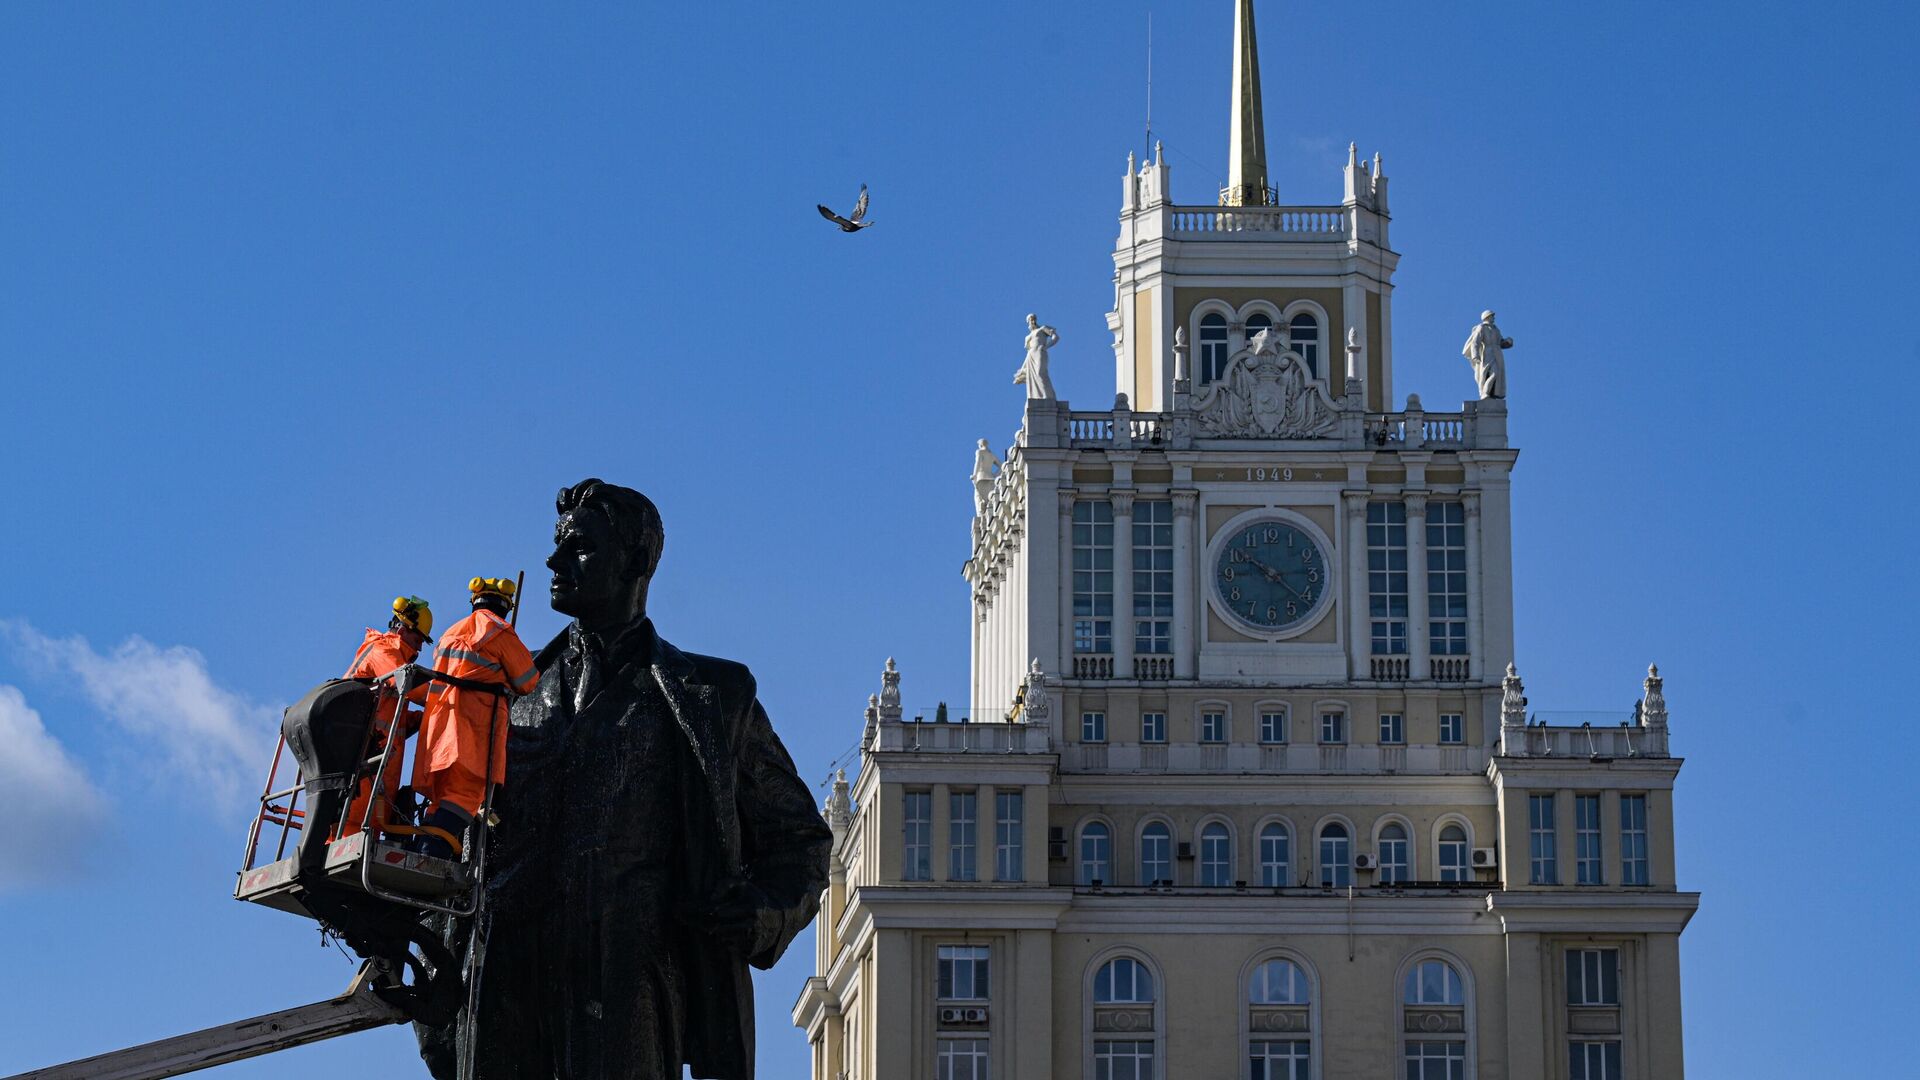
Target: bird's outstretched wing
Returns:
[[833, 217], [860, 208]]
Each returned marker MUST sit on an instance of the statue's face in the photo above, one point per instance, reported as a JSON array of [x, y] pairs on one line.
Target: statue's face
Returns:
[[592, 572]]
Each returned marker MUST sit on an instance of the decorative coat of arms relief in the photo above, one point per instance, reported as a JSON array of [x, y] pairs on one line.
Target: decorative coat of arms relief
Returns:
[[1265, 393]]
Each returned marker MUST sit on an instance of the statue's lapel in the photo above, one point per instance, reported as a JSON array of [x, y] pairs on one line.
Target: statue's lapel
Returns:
[[696, 709]]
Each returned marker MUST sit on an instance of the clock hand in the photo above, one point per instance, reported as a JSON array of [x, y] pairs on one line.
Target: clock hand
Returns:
[[1267, 572]]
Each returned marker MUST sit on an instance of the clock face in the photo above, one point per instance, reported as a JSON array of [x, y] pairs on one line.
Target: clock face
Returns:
[[1271, 575]]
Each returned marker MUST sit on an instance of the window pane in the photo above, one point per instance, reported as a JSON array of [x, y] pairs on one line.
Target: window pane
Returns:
[[960, 835], [1387, 577], [1274, 843], [1156, 862], [1009, 825], [917, 827], [1096, 854], [1447, 578], [1092, 576], [1153, 577], [1216, 855]]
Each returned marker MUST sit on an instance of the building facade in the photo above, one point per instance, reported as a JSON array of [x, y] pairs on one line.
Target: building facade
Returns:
[[1248, 785]]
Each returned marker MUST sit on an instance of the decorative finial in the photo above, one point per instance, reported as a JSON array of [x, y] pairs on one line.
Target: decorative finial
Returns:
[[1034, 703], [1120, 403], [1376, 163], [1157, 147], [1353, 155]]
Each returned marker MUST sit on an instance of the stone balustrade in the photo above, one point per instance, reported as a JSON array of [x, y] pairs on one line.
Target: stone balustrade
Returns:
[[1052, 424], [964, 738], [1255, 759], [1267, 223]]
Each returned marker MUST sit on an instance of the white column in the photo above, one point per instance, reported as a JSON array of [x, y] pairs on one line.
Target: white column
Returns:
[[1122, 583], [1359, 635], [1476, 657], [1385, 344], [1186, 586], [1417, 586], [1067, 497]]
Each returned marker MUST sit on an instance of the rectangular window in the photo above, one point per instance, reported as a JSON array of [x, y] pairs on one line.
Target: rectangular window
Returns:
[[1447, 578], [1586, 839], [1540, 840], [1633, 840], [961, 974], [1280, 1059], [917, 828], [1333, 728], [960, 833], [1387, 576], [1009, 812], [1213, 727], [1123, 1059], [1273, 727], [960, 1059], [1393, 729], [1453, 729], [1092, 577], [1153, 727], [1593, 977], [1593, 1061], [1436, 1061], [1093, 727], [1152, 577]]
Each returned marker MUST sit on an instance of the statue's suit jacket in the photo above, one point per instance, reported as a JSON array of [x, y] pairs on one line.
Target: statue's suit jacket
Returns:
[[746, 817]]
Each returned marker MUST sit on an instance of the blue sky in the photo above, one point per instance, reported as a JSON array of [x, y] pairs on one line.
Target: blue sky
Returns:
[[301, 309]]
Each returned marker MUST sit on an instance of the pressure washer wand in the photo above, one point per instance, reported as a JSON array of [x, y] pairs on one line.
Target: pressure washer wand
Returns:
[[513, 617]]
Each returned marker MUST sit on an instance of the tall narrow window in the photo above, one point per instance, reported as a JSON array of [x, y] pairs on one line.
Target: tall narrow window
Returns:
[[1333, 728], [1213, 347], [960, 973], [1256, 323], [1152, 577], [1273, 727], [1009, 825], [1093, 727], [1433, 1002], [1303, 332], [1593, 977], [1216, 855], [1454, 865], [1275, 850], [1541, 851], [1278, 991], [1393, 729], [1124, 981], [1156, 854], [1213, 727], [1387, 577], [960, 1059], [1336, 856], [1453, 729], [1588, 1060], [916, 814], [1153, 727], [1633, 840], [1092, 576], [1096, 854], [961, 807], [1395, 865], [1447, 578], [1586, 839]]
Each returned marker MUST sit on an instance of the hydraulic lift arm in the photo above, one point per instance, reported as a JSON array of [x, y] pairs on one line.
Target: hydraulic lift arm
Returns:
[[360, 1008]]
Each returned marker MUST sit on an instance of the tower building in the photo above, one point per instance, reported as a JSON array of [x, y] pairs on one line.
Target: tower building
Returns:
[[1248, 784]]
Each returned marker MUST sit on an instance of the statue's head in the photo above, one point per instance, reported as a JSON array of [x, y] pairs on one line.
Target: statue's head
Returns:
[[1033, 321], [1486, 316], [606, 546]]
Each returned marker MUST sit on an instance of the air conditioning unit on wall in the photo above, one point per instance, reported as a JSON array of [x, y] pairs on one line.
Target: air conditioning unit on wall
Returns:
[[951, 1015], [1364, 861], [1485, 858]]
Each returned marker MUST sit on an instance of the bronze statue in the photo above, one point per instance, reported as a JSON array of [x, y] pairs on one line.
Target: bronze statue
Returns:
[[654, 839]]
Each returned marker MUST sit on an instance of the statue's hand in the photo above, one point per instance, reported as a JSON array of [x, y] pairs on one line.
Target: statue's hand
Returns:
[[734, 917]]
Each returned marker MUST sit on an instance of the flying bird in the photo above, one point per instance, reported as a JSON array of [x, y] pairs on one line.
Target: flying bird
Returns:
[[850, 224]]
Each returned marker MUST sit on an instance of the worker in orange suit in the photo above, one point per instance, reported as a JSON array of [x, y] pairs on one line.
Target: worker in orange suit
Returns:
[[380, 653], [455, 758]]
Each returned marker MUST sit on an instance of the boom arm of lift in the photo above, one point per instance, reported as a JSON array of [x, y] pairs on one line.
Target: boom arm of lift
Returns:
[[360, 1008]]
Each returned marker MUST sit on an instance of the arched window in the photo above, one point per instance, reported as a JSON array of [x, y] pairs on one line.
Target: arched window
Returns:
[[1394, 859], [1433, 1011], [1257, 322], [1303, 334], [1096, 854], [1124, 1021], [1279, 1021], [1275, 847], [1156, 854], [1336, 855], [1216, 855], [1213, 347], [1453, 855]]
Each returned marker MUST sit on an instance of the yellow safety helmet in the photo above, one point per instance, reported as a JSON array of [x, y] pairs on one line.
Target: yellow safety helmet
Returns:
[[491, 586], [415, 613]]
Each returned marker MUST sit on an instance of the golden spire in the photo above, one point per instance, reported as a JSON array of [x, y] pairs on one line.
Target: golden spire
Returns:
[[1247, 155]]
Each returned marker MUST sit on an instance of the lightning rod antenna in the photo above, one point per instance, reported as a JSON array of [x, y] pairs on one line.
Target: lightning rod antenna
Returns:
[[1149, 149]]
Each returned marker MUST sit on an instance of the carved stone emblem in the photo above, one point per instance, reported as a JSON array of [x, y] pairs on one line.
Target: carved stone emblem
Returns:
[[1266, 393]]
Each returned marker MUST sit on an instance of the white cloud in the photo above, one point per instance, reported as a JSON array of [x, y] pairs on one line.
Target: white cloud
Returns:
[[207, 737], [53, 815]]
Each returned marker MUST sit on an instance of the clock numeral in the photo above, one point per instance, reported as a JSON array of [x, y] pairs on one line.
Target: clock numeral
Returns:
[[1306, 555], [1235, 555], [1313, 576], [1235, 596], [1290, 535], [1306, 597], [1273, 536], [1227, 573], [1250, 606], [1291, 610], [1272, 614]]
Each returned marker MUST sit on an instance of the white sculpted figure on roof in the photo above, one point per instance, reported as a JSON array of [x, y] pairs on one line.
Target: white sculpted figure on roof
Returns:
[[1033, 371], [1266, 393], [1486, 351]]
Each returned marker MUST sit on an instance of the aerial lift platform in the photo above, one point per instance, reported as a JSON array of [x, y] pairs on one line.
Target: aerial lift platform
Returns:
[[353, 878]]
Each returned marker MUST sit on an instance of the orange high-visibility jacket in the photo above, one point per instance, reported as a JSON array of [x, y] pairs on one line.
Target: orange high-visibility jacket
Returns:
[[381, 652], [480, 648]]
